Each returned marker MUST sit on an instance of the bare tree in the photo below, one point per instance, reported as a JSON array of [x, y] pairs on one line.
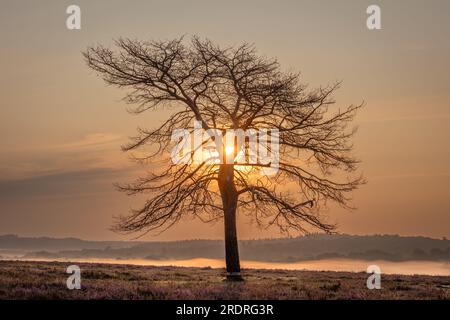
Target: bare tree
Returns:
[[230, 88]]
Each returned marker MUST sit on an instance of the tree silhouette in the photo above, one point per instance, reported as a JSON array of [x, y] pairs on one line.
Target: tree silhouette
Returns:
[[230, 88]]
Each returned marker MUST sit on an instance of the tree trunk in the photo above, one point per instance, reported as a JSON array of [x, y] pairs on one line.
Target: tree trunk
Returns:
[[229, 196]]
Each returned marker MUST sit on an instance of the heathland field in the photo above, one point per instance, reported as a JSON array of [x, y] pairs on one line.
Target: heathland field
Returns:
[[47, 280]]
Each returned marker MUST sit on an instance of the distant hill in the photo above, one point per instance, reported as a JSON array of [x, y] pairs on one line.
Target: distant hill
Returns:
[[14, 242], [310, 247]]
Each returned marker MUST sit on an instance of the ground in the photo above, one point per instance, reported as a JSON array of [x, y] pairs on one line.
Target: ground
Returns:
[[47, 280]]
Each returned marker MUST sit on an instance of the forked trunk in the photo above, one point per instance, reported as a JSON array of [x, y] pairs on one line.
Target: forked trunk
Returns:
[[229, 196]]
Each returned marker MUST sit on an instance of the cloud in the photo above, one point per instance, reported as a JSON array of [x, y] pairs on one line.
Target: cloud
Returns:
[[89, 141], [424, 117], [63, 184], [411, 176], [93, 151]]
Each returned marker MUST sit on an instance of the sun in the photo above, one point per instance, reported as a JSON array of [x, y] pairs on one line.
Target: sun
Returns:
[[229, 149]]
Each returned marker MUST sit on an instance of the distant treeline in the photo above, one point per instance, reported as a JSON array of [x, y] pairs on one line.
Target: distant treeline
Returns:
[[310, 247]]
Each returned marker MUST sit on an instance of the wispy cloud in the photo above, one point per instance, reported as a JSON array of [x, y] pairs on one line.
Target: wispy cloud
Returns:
[[424, 117], [63, 184], [93, 151], [91, 140], [410, 176]]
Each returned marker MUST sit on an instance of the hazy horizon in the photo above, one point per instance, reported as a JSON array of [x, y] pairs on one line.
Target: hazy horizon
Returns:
[[193, 238], [393, 254]]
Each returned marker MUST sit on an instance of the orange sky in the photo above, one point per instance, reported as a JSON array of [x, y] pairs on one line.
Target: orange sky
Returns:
[[61, 127]]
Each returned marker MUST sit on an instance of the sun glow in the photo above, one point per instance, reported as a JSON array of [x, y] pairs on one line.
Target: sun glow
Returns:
[[229, 150]]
